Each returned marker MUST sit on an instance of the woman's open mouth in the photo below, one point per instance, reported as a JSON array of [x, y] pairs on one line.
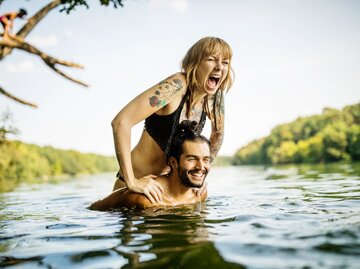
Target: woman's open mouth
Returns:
[[213, 81]]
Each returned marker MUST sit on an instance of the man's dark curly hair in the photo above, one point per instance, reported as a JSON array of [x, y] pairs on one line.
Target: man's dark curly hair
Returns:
[[186, 131]]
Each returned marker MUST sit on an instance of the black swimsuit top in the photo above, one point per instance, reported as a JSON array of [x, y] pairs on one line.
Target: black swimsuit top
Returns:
[[162, 127]]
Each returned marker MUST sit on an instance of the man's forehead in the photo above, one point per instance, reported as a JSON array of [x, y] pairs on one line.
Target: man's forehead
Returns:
[[196, 148]]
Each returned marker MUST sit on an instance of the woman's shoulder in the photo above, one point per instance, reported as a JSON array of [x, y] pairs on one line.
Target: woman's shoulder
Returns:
[[178, 75], [178, 78], [174, 85]]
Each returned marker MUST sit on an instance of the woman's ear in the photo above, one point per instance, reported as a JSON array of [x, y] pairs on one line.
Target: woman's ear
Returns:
[[173, 163]]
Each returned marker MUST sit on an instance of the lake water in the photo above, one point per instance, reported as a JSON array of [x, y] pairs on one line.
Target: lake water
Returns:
[[255, 217]]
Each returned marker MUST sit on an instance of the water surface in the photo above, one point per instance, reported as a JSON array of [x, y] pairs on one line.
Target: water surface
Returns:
[[254, 217]]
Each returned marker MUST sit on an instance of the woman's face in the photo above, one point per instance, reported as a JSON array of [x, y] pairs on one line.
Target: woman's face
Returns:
[[212, 71]]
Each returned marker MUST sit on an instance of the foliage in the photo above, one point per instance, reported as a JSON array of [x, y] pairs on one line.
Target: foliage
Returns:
[[69, 5], [222, 161], [332, 136], [6, 126], [21, 162]]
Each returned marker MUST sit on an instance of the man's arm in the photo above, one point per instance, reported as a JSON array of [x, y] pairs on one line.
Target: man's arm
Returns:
[[121, 198]]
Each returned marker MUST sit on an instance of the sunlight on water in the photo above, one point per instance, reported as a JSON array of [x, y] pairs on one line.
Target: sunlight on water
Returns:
[[255, 217]]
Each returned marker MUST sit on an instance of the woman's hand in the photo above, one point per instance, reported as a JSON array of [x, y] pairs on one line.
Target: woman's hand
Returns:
[[200, 191], [165, 171], [148, 186]]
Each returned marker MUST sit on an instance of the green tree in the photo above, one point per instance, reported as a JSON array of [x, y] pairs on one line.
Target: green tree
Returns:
[[6, 126], [332, 136], [353, 141], [285, 153], [21, 162], [334, 140]]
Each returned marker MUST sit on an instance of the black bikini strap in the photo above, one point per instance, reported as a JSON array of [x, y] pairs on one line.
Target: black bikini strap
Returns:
[[201, 123], [175, 124]]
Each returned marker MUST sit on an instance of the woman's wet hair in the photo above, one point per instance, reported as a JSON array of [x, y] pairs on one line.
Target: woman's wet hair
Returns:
[[186, 131]]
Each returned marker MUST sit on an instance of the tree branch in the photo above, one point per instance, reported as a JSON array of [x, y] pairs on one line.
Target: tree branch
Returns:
[[29, 26], [34, 20], [16, 42], [2, 91]]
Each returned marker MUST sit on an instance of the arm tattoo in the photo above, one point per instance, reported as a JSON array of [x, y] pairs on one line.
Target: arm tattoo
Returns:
[[216, 140], [166, 90], [217, 134]]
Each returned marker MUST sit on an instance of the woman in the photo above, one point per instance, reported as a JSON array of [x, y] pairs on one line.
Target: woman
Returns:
[[193, 94], [7, 20]]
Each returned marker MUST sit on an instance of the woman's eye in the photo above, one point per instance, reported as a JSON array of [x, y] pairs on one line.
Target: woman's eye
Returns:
[[225, 63]]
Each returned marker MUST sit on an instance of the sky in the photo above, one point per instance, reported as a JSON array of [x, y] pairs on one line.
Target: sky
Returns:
[[292, 58]]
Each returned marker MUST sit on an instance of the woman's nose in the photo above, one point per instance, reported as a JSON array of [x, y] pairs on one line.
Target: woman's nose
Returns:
[[219, 66]]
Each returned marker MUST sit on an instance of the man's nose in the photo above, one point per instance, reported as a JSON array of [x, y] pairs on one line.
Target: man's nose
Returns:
[[200, 165]]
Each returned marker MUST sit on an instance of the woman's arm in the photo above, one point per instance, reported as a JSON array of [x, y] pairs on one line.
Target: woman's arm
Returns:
[[137, 110], [217, 128]]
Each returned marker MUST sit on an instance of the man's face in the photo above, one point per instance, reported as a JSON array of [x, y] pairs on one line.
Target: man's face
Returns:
[[194, 163]]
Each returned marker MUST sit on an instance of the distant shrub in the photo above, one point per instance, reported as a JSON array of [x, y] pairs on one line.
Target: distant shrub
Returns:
[[332, 136], [21, 162]]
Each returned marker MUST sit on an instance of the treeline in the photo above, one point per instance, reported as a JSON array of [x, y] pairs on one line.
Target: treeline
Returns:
[[20, 162], [222, 161], [332, 136]]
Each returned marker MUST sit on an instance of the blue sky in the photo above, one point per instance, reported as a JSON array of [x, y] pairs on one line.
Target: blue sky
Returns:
[[291, 58]]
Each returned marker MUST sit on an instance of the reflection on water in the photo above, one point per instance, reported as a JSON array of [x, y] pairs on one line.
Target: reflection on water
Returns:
[[255, 217]]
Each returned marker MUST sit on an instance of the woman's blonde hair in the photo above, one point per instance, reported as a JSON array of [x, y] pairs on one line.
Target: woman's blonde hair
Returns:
[[202, 49]]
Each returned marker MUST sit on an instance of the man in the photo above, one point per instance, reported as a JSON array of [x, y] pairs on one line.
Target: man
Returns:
[[189, 159]]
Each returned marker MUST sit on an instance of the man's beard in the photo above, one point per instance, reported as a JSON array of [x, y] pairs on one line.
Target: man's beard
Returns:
[[185, 180]]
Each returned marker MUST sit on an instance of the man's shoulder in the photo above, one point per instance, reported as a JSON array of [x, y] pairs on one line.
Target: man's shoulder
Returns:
[[121, 198], [138, 200]]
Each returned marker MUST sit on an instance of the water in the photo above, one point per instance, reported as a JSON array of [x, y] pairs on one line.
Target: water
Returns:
[[254, 217]]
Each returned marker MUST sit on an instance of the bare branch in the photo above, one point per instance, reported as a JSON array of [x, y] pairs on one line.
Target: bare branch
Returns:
[[2, 91], [11, 42], [29, 26], [52, 66], [18, 43], [34, 20]]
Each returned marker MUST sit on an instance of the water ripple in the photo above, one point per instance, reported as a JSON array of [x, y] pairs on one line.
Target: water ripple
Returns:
[[255, 217]]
